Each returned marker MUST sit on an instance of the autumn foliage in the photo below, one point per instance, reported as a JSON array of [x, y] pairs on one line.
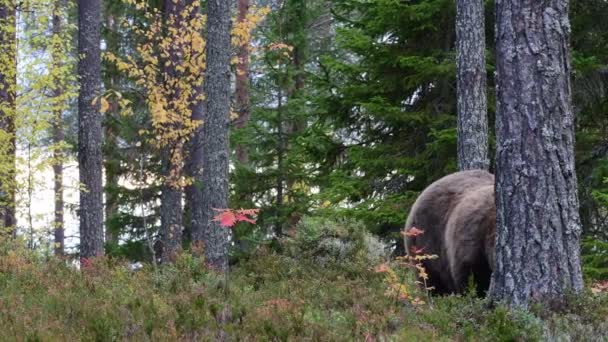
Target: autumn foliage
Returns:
[[230, 217]]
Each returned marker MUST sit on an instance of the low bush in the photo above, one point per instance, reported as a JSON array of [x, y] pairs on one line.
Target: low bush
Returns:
[[312, 291]]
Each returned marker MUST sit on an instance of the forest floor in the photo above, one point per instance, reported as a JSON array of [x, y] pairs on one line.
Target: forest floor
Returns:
[[301, 292]]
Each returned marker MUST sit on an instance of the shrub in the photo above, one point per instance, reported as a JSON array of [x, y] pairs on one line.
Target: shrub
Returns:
[[335, 242]]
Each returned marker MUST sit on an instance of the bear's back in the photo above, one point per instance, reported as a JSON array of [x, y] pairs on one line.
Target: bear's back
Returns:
[[430, 213]]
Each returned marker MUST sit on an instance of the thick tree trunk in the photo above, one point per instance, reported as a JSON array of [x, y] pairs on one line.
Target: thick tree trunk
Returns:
[[89, 129], [58, 137], [242, 85], [8, 83], [215, 132], [538, 225], [471, 85]]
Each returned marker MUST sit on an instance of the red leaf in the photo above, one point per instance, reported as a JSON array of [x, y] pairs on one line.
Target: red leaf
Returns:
[[226, 218], [243, 218]]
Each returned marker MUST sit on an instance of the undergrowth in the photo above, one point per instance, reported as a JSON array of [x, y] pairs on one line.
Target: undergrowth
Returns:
[[308, 292]]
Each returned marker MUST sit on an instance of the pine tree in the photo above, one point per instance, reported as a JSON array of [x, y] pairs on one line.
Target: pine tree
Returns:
[[538, 224], [171, 211], [471, 83], [194, 210], [215, 132], [89, 129]]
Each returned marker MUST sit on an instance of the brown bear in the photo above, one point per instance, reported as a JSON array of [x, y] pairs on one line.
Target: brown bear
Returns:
[[457, 215]]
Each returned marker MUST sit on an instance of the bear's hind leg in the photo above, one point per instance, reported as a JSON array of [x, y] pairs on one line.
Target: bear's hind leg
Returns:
[[482, 275]]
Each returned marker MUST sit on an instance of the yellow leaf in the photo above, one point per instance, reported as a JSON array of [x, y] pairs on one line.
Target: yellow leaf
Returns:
[[105, 105]]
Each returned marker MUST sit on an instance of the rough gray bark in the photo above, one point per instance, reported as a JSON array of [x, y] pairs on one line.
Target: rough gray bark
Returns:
[[89, 129], [171, 210], [215, 133], [8, 81], [58, 138], [538, 224], [471, 86]]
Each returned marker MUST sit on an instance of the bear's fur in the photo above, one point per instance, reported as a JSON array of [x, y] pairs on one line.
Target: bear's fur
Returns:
[[458, 216]]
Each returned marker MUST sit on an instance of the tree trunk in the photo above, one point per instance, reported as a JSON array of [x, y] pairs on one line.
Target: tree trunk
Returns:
[[171, 210], [538, 225], [171, 216], [242, 85], [8, 83], [111, 164], [215, 132], [194, 169], [281, 149], [194, 164], [471, 86], [58, 134], [89, 129]]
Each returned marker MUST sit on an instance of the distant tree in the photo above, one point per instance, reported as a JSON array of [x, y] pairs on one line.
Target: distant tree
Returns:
[[110, 34], [57, 51], [171, 211], [89, 129], [538, 224], [471, 85], [215, 132], [194, 163], [242, 84], [8, 83]]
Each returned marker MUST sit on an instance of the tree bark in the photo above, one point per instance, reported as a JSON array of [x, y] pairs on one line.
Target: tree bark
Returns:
[[242, 85], [471, 86], [215, 132], [538, 224], [194, 169], [171, 210], [8, 83], [171, 216], [58, 135], [194, 164], [89, 129]]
